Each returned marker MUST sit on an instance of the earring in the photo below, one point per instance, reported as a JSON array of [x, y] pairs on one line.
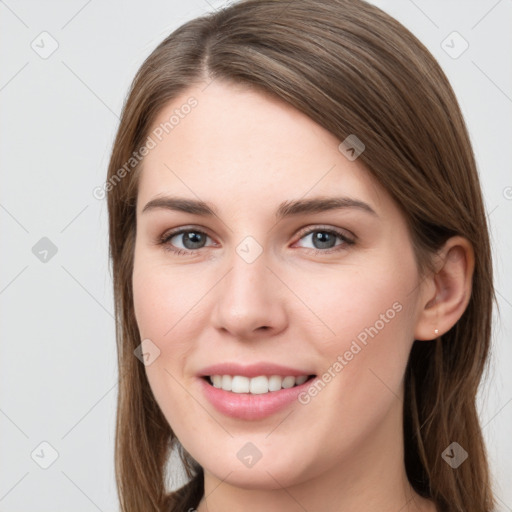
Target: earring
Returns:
[[436, 331]]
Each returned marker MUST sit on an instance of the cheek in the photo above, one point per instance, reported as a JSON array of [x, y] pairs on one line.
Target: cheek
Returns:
[[166, 302], [371, 316], [168, 307], [359, 303], [364, 362], [161, 315], [151, 299]]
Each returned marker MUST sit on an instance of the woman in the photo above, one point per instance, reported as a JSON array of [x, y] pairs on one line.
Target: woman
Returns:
[[301, 267]]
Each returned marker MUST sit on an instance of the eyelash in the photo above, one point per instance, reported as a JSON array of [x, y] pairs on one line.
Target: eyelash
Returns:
[[166, 237]]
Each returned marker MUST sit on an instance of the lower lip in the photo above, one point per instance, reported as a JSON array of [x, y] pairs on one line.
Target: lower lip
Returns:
[[247, 406]]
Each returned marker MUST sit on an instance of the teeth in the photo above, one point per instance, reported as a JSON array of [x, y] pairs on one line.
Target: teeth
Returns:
[[257, 385], [288, 382], [226, 382], [239, 384], [274, 383]]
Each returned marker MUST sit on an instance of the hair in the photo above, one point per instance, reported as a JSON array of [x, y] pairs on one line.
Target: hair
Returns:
[[353, 69]]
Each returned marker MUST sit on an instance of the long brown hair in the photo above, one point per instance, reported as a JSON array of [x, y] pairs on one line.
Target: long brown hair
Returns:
[[354, 70]]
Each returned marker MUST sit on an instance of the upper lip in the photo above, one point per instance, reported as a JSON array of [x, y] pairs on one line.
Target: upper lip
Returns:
[[252, 370]]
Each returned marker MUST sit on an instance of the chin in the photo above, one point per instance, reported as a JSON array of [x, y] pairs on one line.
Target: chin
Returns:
[[279, 466]]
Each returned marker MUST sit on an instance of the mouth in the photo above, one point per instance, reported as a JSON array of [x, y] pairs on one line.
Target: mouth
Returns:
[[253, 391], [258, 385]]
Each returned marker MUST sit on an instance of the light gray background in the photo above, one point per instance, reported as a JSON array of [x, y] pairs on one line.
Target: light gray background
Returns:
[[58, 116]]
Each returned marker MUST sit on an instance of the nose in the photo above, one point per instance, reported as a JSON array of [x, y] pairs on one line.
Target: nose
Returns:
[[250, 300]]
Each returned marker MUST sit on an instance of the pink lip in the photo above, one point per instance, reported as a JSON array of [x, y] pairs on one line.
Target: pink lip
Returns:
[[245, 405], [252, 370]]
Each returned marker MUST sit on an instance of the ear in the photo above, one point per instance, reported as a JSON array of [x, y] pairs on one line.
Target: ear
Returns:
[[446, 293]]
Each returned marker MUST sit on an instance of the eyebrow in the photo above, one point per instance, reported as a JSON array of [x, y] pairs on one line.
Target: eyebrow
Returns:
[[285, 209]]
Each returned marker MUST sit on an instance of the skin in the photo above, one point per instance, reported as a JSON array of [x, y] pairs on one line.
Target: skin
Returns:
[[245, 153]]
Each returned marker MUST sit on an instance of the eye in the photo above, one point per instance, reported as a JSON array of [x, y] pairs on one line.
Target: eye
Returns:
[[187, 241], [190, 240], [324, 240]]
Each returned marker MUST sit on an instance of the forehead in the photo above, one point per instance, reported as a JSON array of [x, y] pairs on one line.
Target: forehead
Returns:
[[231, 144]]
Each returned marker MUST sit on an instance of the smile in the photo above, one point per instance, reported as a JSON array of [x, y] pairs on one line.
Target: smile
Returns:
[[256, 385]]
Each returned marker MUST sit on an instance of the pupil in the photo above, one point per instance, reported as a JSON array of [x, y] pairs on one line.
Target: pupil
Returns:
[[323, 238], [194, 238]]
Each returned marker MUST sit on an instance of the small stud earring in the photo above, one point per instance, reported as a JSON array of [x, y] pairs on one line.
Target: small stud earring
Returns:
[[436, 331]]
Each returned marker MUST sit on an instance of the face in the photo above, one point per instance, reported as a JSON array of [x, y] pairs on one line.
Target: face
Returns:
[[298, 275]]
